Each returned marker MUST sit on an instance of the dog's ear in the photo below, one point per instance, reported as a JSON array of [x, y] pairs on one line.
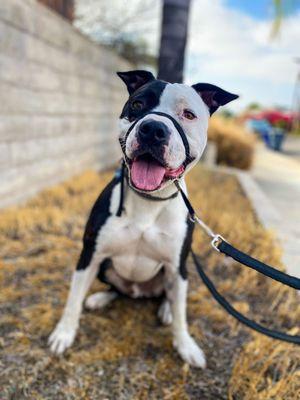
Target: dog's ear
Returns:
[[213, 96], [135, 79]]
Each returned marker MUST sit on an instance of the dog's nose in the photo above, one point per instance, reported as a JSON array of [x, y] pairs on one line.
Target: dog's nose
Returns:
[[153, 132]]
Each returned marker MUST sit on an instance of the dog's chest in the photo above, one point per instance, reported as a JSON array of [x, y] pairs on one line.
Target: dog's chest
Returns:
[[141, 244]]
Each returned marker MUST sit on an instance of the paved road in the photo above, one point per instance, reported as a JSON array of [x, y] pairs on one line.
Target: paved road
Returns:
[[278, 175], [291, 147]]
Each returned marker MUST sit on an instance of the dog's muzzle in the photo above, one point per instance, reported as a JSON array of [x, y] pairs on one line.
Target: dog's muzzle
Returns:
[[154, 133], [147, 168], [175, 123]]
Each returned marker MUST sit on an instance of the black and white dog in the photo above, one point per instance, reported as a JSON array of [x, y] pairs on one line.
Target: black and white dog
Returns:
[[143, 251]]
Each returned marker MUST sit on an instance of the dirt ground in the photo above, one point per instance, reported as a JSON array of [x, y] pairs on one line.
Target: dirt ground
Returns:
[[122, 352]]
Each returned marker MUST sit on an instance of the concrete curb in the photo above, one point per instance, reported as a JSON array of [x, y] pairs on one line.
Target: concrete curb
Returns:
[[264, 209], [268, 216]]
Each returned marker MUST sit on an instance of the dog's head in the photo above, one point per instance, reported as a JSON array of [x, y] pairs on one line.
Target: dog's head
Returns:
[[164, 127]]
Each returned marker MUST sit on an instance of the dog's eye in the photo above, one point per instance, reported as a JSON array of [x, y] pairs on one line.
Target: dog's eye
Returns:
[[137, 105], [189, 114]]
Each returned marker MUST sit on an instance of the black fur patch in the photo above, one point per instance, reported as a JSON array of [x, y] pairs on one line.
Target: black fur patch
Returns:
[[106, 263], [104, 266], [98, 216], [186, 247], [149, 95]]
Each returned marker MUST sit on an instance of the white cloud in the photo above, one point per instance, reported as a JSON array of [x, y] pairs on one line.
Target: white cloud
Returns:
[[227, 47]]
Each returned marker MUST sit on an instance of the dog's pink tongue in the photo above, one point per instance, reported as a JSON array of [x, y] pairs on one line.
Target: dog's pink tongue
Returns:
[[147, 174]]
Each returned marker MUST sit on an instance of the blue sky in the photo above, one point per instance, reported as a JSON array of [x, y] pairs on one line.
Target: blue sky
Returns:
[[261, 9], [230, 45], [257, 8]]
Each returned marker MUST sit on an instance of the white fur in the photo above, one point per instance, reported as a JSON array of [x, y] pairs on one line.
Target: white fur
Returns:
[[148, 235], [175, 98], [99, 300], [174, 152], [138, 243], [164, 313], [64, 334], [176, 290]]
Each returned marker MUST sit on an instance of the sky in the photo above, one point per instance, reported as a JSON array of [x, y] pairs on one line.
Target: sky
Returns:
[[262, 9], [229, 43]]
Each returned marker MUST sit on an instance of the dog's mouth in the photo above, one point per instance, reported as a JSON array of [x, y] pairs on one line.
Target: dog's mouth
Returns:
[[149, 174]]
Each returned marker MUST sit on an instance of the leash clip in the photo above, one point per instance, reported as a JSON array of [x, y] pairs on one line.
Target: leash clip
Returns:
[[216, 237], [192, 218], [216, 241]]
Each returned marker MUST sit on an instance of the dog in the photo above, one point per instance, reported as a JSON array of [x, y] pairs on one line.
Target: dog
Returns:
[[142, 251]]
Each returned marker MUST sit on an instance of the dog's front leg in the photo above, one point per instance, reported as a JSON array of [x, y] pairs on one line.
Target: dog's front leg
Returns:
[[176, 291], [64, 334]]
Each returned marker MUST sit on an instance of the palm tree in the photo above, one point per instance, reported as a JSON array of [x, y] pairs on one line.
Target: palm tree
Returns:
[[278, 8], [281, 10], [173, 40]]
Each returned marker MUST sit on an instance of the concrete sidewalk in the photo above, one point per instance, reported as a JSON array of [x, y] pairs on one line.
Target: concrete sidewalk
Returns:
[[278, 176], [291, 147]]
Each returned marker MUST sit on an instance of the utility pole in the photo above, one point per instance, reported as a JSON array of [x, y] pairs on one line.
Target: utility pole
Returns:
[[173, 40]]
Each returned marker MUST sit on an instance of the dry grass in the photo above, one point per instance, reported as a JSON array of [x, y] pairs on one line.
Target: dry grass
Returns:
[[39, 245], [235, 146]]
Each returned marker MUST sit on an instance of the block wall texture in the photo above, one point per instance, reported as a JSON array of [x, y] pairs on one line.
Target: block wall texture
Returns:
[[59, 100]]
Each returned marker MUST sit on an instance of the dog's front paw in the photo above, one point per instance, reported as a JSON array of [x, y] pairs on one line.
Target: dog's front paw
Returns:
[[189, 351], [61, 338]]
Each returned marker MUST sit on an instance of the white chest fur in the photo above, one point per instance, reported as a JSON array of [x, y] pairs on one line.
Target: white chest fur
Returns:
[[147, 236]]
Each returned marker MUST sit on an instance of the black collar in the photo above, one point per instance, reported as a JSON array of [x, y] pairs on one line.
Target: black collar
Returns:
[[148, 196]]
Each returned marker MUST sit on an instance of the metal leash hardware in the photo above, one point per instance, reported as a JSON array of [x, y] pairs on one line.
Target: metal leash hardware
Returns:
[[217, 239], [222, 246]]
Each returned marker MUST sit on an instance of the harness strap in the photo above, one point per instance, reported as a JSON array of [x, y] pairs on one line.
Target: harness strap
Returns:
[[121, 173], [178, 128], [175, 123], [154, 198]]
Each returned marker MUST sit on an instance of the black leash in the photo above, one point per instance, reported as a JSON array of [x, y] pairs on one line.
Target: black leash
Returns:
[[226, 248], [221, 245], [236, 314]]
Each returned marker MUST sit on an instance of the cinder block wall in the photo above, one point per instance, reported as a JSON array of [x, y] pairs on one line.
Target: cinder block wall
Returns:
[[59, 100]]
